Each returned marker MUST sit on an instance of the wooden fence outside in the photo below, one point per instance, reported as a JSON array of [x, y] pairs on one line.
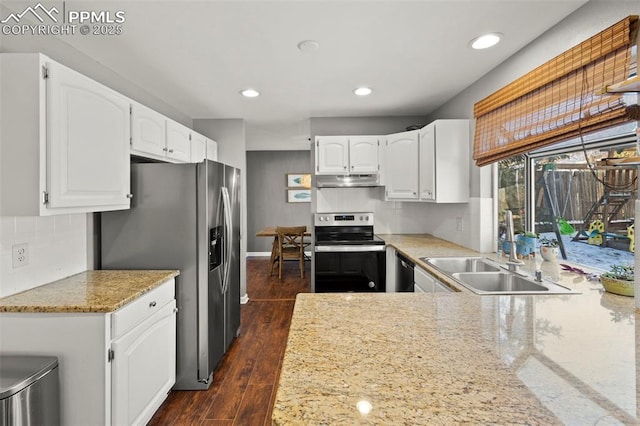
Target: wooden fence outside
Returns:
[[573, 192]]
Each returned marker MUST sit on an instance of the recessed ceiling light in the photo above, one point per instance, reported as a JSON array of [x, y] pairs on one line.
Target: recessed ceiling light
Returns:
[[362, 91], [485, 41], [308, 45], [250, 93]]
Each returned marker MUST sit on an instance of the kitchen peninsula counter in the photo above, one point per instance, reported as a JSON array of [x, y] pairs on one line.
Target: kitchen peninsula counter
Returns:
[[89, 291], [446, 358]]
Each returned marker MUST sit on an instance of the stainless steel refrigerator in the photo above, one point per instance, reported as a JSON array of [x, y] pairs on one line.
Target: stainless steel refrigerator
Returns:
[[186, 217]]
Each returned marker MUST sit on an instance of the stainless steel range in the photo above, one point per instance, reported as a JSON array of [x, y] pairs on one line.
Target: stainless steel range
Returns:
[[348, 256]]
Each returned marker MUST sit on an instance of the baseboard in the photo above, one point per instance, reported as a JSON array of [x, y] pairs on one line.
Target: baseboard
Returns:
[[258, 254], [268, 253], [244, 299]]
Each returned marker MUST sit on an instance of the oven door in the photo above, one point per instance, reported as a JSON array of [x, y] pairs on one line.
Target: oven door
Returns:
[[350, 268]]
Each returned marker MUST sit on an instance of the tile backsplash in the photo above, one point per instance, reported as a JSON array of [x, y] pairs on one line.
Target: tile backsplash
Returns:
[[57, 248]]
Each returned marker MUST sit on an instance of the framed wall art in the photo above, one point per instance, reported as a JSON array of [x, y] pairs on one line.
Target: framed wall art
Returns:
[[298, 195], [298, 180]]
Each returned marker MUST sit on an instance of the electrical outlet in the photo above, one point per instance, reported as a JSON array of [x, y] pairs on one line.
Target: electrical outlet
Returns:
[[20, 254], [459, 224]]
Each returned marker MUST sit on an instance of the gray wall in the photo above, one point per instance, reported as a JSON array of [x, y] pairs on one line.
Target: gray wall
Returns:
[[337, 126], [266, 192]]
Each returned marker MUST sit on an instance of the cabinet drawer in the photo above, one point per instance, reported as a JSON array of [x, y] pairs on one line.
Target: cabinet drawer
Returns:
[[137, 311]]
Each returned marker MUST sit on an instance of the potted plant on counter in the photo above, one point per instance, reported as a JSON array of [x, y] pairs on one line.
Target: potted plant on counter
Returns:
[[526, 243], [549, 248], [619, 280]]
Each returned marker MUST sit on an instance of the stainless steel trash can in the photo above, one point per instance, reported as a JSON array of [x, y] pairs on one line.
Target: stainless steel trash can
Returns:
[[29, 390]]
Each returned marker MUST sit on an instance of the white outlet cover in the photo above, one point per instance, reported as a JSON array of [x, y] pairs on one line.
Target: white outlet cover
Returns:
[[20, 254]]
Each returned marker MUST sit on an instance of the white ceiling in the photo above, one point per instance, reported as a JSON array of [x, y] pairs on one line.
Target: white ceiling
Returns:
[[197, 55]]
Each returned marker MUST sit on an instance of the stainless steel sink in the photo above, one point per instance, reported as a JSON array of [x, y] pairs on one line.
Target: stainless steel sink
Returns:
[[499, 282], [461, 264], [483, 276]]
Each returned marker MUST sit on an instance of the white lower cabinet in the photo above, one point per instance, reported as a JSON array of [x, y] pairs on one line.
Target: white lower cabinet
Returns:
[[115, 368], [426, 283], [143, 369]]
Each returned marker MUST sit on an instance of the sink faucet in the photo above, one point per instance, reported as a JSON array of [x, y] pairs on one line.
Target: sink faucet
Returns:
[[513, 261]]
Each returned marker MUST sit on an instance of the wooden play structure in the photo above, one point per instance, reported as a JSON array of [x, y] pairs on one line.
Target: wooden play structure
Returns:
[[602, 225], [600, 210]]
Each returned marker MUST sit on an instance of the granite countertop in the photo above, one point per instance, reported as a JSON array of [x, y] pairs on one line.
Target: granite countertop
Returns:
[[443, 358], [89, 291]]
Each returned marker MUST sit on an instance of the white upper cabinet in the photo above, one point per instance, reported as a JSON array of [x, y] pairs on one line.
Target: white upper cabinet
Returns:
[[65, 140], [178, 142], [148, 131], [363, 154], [444, 161], [342, 155], [198, 148], [430, 164], [155, 136], [212, 150], [401, 167], [332, 155]]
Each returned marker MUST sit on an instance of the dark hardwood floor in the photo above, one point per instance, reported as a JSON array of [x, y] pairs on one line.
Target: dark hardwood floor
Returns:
[[244, 385]]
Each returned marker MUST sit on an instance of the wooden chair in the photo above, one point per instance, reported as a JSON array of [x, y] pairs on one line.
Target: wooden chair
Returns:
[[288, 245]]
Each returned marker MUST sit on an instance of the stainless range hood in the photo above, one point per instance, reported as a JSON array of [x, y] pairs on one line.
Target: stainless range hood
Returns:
[[347, 181]]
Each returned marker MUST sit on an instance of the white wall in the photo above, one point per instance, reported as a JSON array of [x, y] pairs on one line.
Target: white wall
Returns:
[[230, 135], [57, 248]]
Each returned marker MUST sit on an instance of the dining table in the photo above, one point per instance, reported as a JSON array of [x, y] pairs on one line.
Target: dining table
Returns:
[[270, 231]]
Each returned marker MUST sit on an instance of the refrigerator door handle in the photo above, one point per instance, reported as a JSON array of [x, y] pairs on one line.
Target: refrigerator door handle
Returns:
[[223, 247], [228, 228]]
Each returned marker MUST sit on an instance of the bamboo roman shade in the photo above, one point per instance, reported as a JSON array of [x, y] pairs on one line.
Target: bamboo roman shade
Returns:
[[559, 99]]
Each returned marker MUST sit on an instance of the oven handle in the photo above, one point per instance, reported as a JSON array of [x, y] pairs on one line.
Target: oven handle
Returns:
[[349, 248]]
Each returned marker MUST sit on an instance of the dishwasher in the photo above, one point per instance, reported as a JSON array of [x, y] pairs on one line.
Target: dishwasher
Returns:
[[404, 274]]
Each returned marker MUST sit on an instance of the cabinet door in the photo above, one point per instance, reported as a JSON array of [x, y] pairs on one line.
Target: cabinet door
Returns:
[[198, 148], [88, 133], [363, 154], [212, 150], [332, 155], [148, 132], [428, 163], [402, 166], [143, 369], [423, 281], [178, 142]]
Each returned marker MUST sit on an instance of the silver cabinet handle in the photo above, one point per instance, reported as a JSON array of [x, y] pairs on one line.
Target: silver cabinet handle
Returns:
[[152, 304], [170, 151], [165, 149], [129, 195]]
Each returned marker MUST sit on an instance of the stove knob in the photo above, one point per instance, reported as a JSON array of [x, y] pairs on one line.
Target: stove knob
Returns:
[[321, 218], [366, 218], [360, 218]]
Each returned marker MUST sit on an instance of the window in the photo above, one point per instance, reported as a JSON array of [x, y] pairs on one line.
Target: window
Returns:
[[573, 192]]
